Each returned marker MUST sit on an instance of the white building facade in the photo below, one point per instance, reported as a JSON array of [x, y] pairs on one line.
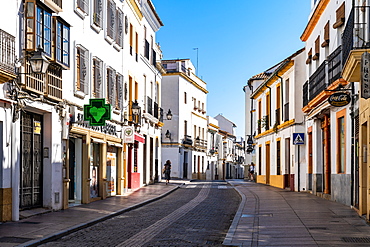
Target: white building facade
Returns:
[[184, 137]]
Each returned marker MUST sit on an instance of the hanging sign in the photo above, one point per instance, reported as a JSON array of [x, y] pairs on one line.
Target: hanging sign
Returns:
[[365, 75], [128, 134], [339, 99]]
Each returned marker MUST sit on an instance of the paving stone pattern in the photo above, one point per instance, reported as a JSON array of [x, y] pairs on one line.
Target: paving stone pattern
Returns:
[[191, 216]]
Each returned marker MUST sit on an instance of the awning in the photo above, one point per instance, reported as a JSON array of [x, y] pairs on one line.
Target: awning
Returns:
[[114, 144], [139, 138], [97, 140]]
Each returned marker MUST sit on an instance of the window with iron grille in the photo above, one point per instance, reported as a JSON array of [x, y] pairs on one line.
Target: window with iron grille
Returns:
[[98, 13], [119, 91], [81, 70], [83, 5], [97, 78], [111, 19], [111, 84], [119, 25]]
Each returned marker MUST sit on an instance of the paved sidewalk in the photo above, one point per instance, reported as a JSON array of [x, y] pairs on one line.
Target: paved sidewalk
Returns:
[[34, 230], [268, 216]]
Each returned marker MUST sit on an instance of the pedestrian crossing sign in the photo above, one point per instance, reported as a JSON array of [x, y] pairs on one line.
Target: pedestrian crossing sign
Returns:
[[298, 138]]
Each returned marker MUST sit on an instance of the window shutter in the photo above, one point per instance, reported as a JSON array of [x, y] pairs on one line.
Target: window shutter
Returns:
[[317, 49], [98, 10], [111, 19], [111, 76], [30, 17], [340, 16], [119, 34], [326, 35], [83, 5], [97, 78], [119, 88], [83, 70], [309, 58]]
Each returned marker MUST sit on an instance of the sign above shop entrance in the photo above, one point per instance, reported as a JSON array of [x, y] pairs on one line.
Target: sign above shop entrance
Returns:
[[97, 112], [339, 99]]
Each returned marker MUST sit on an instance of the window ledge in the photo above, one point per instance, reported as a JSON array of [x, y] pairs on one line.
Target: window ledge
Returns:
[[80, 13], [109, 39], [117, 47], [338, 23], [96, 28], [80, 94], [316, 57], [325, 43]]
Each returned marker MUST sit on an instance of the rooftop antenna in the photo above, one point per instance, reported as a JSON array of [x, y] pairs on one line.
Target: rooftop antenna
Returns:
[[197, 60]]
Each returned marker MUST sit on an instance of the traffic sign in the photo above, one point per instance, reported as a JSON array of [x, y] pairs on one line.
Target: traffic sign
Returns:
[[97, 112], [298, 138]]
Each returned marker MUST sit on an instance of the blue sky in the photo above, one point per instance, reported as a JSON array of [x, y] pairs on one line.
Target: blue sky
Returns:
[[235, 40]]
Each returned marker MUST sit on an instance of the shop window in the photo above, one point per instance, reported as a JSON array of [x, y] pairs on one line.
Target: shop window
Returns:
[[341, 141], [82, 86]]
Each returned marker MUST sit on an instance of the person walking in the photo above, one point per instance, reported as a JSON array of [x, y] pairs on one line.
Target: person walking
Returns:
[[251, 171], [167, 171]]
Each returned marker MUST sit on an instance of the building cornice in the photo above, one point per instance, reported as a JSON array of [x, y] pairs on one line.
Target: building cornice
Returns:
[[189, 80], [199, 116], [314, 19], [135, 8]]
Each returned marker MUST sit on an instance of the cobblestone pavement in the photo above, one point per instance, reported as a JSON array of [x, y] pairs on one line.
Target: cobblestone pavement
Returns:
[[197, 214]]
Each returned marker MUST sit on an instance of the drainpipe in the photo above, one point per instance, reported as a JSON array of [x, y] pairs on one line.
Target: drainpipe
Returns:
[[352, 142], [282, 99]]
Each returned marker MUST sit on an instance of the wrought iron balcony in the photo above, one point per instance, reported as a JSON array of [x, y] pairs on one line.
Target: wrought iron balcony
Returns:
[[161, 115], [335, 65], [305, 93], [200, 143], [155, 110], [187, 140], [7, 52], [317, 81]]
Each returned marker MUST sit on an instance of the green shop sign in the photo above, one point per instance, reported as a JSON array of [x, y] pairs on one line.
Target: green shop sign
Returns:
[[97, 112]]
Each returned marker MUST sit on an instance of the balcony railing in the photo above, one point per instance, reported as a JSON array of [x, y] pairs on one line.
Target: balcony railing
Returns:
[[49, 84], [156, 108], [187, 140], [305, 93], [348, 37], [146, 49], [200, 143], [149, 105], [7, 52], [317, 82], [286, 112], [161, 115], [335, 65]]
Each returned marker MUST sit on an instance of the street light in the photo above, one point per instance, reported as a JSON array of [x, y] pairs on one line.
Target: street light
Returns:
[[39, 63], [135, 108], [168, 134], [169, 114]]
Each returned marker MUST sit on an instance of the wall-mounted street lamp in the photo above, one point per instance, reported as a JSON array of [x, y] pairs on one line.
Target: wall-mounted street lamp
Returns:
[[135, 108], [169, 114], [39, 63], [168, 134]]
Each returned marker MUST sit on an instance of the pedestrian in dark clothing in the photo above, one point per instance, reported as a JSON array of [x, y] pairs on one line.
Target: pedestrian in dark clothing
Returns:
[[167, 171]]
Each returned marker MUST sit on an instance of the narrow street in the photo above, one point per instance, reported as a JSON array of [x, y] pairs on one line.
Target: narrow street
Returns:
[[197, 214]]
